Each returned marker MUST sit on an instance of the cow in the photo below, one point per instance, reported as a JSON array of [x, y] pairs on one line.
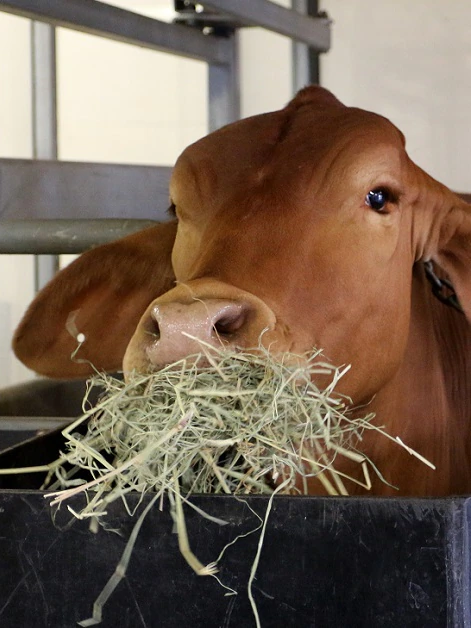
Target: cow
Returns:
[[300, 228]]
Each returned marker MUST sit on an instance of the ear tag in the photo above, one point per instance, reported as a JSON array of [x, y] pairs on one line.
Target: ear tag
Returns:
[[80, 337], [71, 327]]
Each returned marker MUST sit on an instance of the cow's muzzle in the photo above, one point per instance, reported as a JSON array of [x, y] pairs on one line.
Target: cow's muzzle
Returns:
[[195, 317]]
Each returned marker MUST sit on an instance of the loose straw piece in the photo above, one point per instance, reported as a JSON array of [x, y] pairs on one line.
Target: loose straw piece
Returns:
[[412, 452], [118, 573], [183, 542], [256, 561]]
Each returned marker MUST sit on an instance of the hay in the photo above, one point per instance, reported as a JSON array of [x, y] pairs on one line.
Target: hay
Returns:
[[240, 425], [245, 423]]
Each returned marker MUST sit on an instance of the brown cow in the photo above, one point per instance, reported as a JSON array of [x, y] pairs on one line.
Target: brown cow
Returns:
[[309, 224]]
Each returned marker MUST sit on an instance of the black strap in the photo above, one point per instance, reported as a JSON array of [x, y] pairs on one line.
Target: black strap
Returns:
[[442, 288]]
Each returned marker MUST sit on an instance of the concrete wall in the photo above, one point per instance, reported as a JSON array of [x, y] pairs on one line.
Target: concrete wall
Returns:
[[410, 61]]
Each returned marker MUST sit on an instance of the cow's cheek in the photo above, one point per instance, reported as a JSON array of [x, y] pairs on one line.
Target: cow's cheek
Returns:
[[185, 251], [375, 351], [370, 338]]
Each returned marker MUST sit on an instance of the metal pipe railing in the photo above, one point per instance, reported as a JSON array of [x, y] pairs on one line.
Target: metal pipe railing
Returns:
[[56, 237]]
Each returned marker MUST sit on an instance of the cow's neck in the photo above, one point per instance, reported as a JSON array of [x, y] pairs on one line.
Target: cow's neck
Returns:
[[428, 403]]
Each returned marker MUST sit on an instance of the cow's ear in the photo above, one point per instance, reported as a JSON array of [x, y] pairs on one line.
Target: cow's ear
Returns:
[[453, 248], [102, 296]]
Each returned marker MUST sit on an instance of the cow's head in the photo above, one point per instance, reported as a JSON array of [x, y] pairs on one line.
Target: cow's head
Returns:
[[297, 228]]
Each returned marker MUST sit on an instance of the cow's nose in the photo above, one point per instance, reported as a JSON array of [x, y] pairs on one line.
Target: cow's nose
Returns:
[[205, 311], [178, 330]]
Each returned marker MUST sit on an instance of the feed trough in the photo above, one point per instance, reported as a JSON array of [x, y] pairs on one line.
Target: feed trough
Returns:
[[325, 562], [329, 562]]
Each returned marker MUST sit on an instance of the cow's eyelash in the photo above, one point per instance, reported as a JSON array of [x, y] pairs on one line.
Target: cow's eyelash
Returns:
[[392, 192]]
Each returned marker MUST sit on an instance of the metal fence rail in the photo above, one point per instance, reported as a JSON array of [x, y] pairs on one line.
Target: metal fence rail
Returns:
[[97, 18], [220, 52], [43, 189], [102, 19], [38, 237], [313, 31]]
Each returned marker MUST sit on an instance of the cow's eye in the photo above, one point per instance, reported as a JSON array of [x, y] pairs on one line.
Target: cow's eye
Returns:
[[172, 210], [377, 199]]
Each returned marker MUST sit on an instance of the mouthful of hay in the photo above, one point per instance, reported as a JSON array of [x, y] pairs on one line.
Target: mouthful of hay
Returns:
[[239, 425], [244, 424]]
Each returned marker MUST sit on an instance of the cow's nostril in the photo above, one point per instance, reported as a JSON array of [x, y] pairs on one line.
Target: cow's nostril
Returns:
[[229, 323], [153, 328]]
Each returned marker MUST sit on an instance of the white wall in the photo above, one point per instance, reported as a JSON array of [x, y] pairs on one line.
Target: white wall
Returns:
[[265, 69], [120, 103], [410, 61]]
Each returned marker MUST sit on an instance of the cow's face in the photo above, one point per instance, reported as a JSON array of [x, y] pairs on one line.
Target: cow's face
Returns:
[[294, 230]]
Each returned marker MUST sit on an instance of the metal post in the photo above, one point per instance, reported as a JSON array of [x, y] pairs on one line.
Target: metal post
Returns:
[[300, 53], [224, 88], [43, 70], [314, 55]]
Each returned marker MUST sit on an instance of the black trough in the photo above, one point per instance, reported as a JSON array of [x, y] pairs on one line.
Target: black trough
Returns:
[[325, 562]]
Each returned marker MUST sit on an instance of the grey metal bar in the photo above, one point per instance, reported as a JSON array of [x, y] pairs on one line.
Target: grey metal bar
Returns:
[[45, 267], [300, 53], [32, 423], [224, 89], [97, 18], [43, 71], [63, 189], [315, 32], [44, 108], [314, 55], [63, 236]]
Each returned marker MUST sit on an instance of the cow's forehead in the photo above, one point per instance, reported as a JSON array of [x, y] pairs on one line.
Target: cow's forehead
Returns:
[[307, 132]]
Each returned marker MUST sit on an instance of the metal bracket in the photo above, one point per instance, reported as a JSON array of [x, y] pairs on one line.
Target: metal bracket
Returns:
[[208, 21], [223, 17]]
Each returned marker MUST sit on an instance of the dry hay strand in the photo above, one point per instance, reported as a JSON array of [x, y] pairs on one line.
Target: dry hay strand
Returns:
[[244, 424]]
